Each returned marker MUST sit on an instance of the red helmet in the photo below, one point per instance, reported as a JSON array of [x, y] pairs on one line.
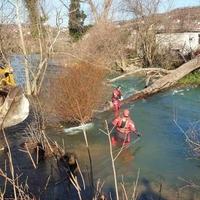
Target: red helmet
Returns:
[[126, 113]]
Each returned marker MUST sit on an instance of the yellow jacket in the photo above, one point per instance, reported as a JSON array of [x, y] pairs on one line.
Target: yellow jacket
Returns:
[[6, 76]]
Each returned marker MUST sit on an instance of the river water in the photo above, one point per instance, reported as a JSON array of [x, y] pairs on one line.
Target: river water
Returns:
[[162, 154]]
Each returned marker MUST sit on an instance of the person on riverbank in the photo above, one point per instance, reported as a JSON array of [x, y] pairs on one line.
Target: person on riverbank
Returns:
[[6, 76], [124, 127], [116, 100]]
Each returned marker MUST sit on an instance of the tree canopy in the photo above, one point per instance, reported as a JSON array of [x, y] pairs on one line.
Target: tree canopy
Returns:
[[76, 19]]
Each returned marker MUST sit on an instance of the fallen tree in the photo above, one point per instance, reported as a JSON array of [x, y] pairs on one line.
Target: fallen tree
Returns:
[[166, 81], [141, 70]]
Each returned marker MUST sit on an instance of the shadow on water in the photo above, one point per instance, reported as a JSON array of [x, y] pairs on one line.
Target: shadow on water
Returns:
[[15, 133], [148, 193], [58, 187]]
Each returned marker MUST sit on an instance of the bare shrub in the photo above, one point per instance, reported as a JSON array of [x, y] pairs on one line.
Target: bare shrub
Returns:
[[7, 43], [193, 139], [147, 23], [77, 93], [167, 59], [192, 136], [104, 44]]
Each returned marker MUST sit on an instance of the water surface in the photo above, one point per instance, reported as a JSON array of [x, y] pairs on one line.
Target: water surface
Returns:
[[162, 154]]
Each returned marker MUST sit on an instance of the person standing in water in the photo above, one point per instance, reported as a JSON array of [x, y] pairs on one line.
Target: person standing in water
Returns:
[[124, 127], [116, 100]]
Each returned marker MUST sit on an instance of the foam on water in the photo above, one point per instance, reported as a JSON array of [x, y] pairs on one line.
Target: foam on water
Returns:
[[77, 129], [181, 92]]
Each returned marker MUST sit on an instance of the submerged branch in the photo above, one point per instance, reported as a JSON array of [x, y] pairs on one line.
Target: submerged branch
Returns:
[[141, 70]]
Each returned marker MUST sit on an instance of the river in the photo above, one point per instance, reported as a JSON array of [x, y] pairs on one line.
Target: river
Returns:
[[162, 154]]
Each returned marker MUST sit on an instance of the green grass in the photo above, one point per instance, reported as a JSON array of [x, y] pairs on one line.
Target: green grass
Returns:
[[191, 79]]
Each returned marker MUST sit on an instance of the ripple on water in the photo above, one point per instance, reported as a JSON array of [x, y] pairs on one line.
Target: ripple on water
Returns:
[[162, 152]]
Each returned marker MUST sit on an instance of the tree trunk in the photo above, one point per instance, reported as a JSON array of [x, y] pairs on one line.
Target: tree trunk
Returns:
[[141, 70], [166, 81], [26, 64]]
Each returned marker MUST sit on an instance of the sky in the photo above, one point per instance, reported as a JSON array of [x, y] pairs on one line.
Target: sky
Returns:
[[179, 4], [52, 5], [185, 3]]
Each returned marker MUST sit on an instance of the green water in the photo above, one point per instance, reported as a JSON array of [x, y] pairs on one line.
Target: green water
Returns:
[[162, 154]]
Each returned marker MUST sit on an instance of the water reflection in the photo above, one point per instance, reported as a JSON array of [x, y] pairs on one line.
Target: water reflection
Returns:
[[148, 193]]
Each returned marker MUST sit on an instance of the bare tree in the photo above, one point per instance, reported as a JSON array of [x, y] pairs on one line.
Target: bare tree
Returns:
[[140, 8], [45, 41], [192, 136], [100, 12], [146, 21], [8, 44], [20, 191], [166, 81], [103, 45]]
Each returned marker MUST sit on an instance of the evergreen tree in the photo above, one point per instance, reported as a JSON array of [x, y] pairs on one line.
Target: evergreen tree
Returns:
[[76, 19]]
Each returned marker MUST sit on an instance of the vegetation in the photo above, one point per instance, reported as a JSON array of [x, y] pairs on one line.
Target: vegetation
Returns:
[[82, 93], [7, 46], [34, 16], [146, 46], [74, 91], [191, 79], [76, 19]]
